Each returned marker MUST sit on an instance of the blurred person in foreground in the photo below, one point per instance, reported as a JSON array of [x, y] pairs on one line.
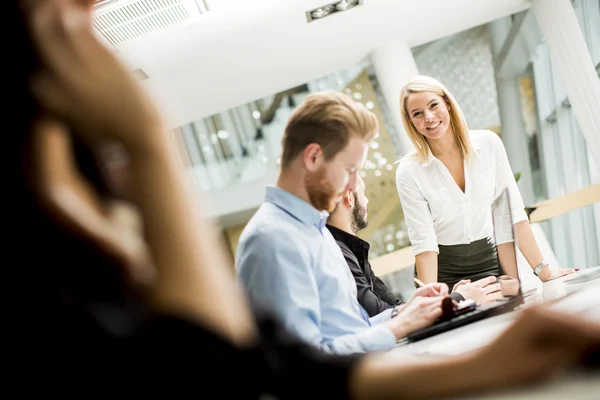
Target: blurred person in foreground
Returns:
[[133, 309]]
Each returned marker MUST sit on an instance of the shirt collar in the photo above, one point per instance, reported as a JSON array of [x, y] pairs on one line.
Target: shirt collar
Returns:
[[359, 247], [430, 157], [296, 207]]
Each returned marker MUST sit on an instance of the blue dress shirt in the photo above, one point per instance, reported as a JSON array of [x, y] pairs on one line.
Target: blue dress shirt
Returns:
[[289, 261]]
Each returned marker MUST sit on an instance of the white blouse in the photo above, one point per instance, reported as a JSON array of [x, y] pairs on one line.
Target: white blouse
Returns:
[[437, 211]]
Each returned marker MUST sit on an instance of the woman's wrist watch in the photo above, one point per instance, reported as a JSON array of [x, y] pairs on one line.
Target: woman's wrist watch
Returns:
[[537, 270]]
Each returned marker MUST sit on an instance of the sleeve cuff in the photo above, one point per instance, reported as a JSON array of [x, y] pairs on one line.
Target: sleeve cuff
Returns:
[[456, 296], [519, 215], [377, 338], [422, 249], [383, 316]]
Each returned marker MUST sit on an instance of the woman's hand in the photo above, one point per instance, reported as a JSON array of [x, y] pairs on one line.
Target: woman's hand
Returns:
[[432, 290], [482, 291], [83, 83], [549, 274], [459, 284]]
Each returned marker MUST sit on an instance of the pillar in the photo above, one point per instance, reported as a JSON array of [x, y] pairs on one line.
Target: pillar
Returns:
[[394, 65]]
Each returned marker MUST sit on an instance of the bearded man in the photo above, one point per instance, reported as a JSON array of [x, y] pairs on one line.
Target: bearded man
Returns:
[[350, 216], [287, 259]]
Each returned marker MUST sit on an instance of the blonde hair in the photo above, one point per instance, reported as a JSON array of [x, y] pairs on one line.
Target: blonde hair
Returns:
[[330, 119], [421, 83]]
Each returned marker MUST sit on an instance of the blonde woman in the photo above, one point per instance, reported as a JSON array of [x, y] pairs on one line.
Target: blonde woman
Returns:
[[447, 188]]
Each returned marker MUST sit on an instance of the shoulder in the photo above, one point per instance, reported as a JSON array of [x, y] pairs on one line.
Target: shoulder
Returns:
[[407, 164], [345, 249], [484, 138], [409, 171], [271, 233], [350, 258], [268, 227]]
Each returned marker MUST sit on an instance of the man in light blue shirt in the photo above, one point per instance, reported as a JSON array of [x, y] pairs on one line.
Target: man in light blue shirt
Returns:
[[288, 260]]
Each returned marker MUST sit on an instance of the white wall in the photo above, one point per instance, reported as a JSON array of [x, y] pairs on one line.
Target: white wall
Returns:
[[464, 65]]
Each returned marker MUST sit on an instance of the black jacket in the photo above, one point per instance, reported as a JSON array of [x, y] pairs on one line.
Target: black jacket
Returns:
[[372, 293]]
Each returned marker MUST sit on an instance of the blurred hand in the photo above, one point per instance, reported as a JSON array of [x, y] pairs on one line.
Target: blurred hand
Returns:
[[460, 283], [128, 246], [549, 274], [534, 346], [432, 289], [419, 312], [482, 291], [82, 82]]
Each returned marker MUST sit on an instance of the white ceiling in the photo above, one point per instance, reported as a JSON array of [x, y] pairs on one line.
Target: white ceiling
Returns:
[[243, 50]]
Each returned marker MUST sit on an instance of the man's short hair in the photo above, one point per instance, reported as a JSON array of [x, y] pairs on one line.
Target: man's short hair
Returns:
[[330, 119]]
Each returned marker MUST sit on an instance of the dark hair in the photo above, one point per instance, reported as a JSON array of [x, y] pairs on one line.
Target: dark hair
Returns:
[[60, 270]]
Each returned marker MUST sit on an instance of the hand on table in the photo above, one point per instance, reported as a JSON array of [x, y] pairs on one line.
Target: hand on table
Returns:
[[549, 274], [419, 312], [432, 290], [482, 291]]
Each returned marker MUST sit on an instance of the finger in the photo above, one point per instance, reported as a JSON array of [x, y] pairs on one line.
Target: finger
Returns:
[[427, 291], [462, 282], [431, 303], [48, 32], [434, 313], [46, 90], [443, 289], [88, 6], [564, 272], [420, 303], [81, 38], [492, 288], [486, 281], [65, 38], [493, 296]]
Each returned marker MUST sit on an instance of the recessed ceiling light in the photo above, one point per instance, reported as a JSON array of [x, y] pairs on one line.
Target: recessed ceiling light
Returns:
[[322, 12], [331, 8], [345, 4]]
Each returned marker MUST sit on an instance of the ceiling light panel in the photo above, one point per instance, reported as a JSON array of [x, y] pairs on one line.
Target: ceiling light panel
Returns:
[[331, 8], [119, 21]]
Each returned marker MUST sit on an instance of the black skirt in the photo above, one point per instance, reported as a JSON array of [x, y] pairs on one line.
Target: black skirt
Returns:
[[474, 261]]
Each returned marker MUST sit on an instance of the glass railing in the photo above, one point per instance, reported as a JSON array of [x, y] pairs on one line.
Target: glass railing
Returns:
[[227, 148], [241, 145]]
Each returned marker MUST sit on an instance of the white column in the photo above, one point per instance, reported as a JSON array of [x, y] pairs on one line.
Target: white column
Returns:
[[394, 65], [509, 103], [569, 53]]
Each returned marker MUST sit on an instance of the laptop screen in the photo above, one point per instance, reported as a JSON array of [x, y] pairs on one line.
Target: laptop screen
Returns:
[[506, 246]]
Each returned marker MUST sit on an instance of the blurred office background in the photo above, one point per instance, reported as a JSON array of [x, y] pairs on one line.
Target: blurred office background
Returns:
[[230, 72]]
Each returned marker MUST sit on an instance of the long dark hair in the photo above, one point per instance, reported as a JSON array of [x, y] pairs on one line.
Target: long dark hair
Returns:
[[51, 258]]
